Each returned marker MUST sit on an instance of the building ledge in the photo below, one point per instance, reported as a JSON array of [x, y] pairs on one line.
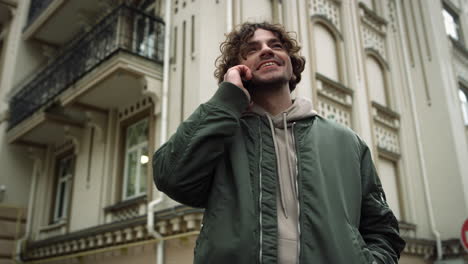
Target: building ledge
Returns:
[[170, 222]]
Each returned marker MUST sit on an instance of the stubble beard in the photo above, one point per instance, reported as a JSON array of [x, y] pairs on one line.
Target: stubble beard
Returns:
[[275, 82]]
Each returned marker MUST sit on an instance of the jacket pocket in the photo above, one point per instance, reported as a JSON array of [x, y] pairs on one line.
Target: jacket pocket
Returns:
[[360, 246]]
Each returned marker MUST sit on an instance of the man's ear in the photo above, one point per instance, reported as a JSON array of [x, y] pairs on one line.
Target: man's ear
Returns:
[[293, 77]]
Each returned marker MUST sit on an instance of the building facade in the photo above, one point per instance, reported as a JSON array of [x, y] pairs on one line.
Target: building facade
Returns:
[[83, 108]]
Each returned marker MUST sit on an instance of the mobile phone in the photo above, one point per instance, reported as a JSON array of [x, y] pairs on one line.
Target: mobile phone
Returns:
[[247, 84]]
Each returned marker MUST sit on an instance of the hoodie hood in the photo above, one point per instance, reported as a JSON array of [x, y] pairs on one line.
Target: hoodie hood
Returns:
[[300, 109]]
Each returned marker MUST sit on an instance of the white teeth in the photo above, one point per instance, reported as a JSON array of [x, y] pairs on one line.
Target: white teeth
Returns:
[[267, 64]]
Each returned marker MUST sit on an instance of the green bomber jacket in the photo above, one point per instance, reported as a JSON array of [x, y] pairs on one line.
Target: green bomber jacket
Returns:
[[223, 161]]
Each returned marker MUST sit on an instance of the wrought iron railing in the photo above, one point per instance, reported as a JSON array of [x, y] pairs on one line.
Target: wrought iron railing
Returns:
[[125, 29]]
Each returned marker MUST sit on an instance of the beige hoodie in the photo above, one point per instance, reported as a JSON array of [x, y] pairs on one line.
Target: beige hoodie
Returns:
[[287, 202]]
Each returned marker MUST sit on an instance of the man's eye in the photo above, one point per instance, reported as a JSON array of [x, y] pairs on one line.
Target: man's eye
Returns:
[[277, 46], [250, 50]]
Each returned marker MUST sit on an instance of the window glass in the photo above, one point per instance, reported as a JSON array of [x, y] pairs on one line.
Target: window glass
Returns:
[[451, 21], [143, 163], [326, 52], [463, 96], [136, 159], [63, 187]]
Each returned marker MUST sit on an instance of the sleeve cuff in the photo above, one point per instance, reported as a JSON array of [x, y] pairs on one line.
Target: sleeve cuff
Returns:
[[232, 97]]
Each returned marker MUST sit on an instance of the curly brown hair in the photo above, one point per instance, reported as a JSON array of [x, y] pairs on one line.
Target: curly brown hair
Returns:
[[232, 49]]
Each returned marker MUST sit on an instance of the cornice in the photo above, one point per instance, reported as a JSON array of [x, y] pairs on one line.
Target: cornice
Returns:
[[169, 222]]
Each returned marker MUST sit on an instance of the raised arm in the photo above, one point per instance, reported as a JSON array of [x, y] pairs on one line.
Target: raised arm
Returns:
[[378, 226], [183, 166]]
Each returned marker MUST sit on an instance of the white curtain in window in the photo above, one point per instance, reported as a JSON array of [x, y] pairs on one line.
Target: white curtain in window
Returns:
[[326, 52], [376, 81], [388, 176]]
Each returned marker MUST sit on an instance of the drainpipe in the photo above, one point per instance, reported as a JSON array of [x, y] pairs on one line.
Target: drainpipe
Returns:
[[164, 110], [32, 194], [422, 160], [229, 20], [150, 226]]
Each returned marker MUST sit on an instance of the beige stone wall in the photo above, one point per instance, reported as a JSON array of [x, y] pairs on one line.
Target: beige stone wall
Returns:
[[180, 250], [413, 260]]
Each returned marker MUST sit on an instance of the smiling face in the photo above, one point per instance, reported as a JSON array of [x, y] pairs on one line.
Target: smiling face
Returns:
[[267, 58]]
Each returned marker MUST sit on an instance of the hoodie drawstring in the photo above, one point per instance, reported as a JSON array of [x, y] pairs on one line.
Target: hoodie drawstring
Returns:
[[286, 140], [278, 166]]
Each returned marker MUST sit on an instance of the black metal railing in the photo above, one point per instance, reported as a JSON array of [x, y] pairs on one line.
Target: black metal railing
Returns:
[[36, 7], [125, 29]]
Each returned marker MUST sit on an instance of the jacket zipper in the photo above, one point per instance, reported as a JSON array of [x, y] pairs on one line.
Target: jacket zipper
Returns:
[[298, 196], [260, 196]]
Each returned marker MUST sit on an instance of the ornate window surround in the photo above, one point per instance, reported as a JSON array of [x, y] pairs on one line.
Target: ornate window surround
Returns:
[[119, 208]]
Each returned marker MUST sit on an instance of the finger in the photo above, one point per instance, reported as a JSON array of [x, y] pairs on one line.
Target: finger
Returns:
[[245, 72]]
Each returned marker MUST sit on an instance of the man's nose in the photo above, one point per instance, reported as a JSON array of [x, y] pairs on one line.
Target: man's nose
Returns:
[[266, 51]]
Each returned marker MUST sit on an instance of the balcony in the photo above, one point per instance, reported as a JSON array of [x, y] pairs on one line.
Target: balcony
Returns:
[[56, 22], [125, 33]]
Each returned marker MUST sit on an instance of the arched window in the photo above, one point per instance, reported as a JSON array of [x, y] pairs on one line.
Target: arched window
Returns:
[[326, 52], [388, 173], [376, 81]]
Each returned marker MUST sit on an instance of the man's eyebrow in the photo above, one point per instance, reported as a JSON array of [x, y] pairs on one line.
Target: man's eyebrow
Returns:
[[272, 40]]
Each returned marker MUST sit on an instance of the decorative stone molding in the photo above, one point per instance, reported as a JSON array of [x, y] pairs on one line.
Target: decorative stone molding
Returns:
[[136, 107], [55, 229], [392, 15], [177, 220], [419, 247], [453, 248], [73, 134], [407, 229], [386, 128], [373, 30], [98, 121], [335, 101], [330, 9], [152, 88], [125, 210]]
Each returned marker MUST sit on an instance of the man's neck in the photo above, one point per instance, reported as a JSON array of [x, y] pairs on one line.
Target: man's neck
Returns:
[[274, 100]]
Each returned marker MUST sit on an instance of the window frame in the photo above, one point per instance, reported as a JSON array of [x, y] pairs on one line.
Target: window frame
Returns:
[[68, 154], [455, 14], [374, 55], [123, 124], [395, 160], [319, 20], [463, 87]]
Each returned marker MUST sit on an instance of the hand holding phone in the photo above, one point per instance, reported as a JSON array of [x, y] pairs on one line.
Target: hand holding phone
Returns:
[[239, 75]]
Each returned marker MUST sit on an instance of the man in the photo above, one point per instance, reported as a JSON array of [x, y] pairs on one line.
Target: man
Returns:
[[279, 183]]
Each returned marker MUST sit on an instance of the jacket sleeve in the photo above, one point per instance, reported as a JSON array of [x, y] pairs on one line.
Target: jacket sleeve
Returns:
[[183, 167], [378, 226]]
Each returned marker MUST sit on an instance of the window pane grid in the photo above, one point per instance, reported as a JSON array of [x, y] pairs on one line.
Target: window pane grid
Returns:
[[136, 159], [62, 193]]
